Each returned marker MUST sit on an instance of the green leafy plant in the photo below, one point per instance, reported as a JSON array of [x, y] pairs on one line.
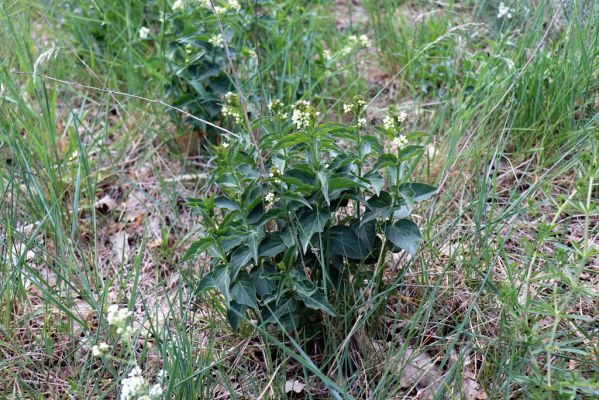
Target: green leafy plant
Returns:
[[300, 210], [199, 55]]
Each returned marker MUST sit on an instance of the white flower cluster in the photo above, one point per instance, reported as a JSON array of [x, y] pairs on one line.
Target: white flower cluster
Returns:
[[354, 42], [217, 40], [205, 3], [178, 5], [303, 114], [400, 141], [359, 41], [231, 108], [234, 5], [144, 32], [100, 350], [118, 317], [361, 122], [393, 121], [276, 107], [276, 174], [135, 387], [220, 10], [270, 198], [505, 11], [358, 105]]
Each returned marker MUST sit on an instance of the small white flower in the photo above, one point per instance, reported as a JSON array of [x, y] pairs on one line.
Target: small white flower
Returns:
[[144, 32], [178, 5], [225, 145], [205, 3], [100, 349], [302, 114], [394, 120], [229, 97], [361, 122], [400, 141], [345, 51], [388, 122], [133, 385], [347, 108], [234, 4], [217, 40], [219, 10], [276, 106], [361, 41], [364, 41], [401, 117], [117, 316], [504, 11], [155, 391], [327, 54], [270, 198], [162, 375]]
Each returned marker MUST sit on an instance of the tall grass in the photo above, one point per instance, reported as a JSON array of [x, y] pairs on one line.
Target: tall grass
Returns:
[[501, 292]]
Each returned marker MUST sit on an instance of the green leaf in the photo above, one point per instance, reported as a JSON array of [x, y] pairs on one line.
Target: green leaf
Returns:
[[197, 247], [418, 191], [310, 223], [283, 312], [342, 183], [267, 216], [324, 184], [295, 200], [292, 140], [235, 314], [404, 234], [313, 298], [271, 246], [256, 214], [244, 292], [376, 182], [302, 174], [239, 259], [219, 279], [262, 283], [385, 160], [226, 203], [344, 241], [381, 200]]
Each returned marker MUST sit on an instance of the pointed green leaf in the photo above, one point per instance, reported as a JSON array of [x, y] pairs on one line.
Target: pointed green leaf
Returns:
[[310, 223], [271, 246], [418, 191], [239, 259], [219, 279], [404, 234], [226, 203], [235, 314], [244, 292], [324, 184]]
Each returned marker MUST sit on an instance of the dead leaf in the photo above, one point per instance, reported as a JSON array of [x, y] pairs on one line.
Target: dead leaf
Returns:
[[105, 204], [294, 386], [472, 390], [135, 207], [120, 246], [417, 368]]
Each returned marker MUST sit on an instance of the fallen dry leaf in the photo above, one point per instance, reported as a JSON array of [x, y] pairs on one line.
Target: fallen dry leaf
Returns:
[[105, 204], [294, 386]]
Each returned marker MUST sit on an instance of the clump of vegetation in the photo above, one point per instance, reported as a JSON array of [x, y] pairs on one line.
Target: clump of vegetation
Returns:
[[308, 211], [204, 40], [313, 260]]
